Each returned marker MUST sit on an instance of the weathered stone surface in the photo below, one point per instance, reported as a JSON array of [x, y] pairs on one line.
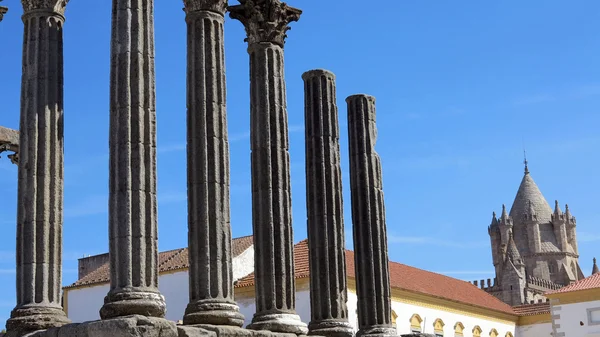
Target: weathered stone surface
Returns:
[[51, 6], [368, 218], [419, 335], [216, 6], [265, 20], [328, 291], [126, 326], [230, 331], [41, 167], [9, 140], [133, 237], [209, 230], [271, 190]]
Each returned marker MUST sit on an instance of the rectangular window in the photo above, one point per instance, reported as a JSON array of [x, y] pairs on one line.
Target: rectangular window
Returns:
[[593, 316]]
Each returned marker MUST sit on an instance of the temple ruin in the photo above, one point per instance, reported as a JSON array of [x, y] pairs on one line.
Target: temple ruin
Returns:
[[134, 305]]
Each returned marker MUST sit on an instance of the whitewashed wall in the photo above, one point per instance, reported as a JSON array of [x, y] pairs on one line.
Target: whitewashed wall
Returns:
[[84, 304], [570, 316], [534, 330], [429, 315]]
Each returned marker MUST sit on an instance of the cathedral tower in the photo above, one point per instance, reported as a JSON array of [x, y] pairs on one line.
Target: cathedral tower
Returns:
[[534, 248]]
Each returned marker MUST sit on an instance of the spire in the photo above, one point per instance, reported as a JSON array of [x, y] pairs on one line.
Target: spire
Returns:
[[494, 219], [512, 252], [567, 212], [530, 193], [557, 211], [504, 215], [595, 270], [525, 162]]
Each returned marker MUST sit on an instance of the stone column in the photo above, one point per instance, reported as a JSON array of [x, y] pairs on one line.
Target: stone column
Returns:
[[368, 218], [209, 231], [41, 168], [266, 22], [132, 223], [327, 253]]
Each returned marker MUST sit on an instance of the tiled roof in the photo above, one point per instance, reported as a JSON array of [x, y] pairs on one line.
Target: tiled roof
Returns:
[[532, 309], [410, 279], [588, 283], [167, 261]]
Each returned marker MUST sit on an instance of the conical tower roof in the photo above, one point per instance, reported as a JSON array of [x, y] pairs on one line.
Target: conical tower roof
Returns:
[[595, 269], [529, 192]]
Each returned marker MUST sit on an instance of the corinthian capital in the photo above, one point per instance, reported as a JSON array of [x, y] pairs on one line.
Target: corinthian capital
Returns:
[[55, 6], [217, 6], [265, 20]]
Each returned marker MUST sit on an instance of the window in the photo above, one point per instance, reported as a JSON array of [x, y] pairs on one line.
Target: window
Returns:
[[415, 323], [509, 334], [493, 333], [394, 317], [593, 316], [438, 327], [458, 329], [477, 331]]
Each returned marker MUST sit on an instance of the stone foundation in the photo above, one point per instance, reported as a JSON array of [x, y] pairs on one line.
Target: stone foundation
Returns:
[[138, 326]]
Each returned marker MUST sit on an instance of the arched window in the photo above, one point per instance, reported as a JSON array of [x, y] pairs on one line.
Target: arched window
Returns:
[[415, 323], [477, 331], [438, 327], [394, 317], [509, 334], [458, 329], [493, 333]]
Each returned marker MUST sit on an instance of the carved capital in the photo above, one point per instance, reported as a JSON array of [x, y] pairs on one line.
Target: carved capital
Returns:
[[217, 6], [3, 11], [54, 6], [265, 20]]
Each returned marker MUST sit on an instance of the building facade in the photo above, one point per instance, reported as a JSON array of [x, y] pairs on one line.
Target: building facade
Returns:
[[421, 300], [534, 248]]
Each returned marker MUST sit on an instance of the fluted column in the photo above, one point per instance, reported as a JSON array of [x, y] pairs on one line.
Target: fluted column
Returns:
[[325, 225], [41, 168], [132, 222], [209, 231], [266, 22], [368, 219]]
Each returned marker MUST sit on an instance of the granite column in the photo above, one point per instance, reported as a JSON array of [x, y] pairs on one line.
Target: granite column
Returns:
[[325, 218], [368, 218], [132, 222], [266, 22], [41, 171], [209, 230]]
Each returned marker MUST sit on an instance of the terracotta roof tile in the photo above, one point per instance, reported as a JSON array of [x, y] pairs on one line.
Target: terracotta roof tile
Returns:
[[407, 278], [588, 283], [532, 309], [167, 261]]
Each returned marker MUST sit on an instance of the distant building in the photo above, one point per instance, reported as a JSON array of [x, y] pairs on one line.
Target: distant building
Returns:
[[421, 300], [534, 248]]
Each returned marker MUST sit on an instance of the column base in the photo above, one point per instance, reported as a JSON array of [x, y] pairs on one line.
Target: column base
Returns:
[[27, 319], [130, 302], [285, 323], [377, 331], [331, 328], [213, 312]]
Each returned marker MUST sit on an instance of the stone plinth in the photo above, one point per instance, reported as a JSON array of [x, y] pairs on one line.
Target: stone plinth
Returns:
[[41, 169], [209, 230], [368, 220], [132, 224], [326, 243], [266, 23]]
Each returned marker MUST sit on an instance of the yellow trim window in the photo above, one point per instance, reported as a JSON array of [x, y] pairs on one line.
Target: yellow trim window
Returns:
[[458, 329], [477, 331], [415, 323], [438, 327]]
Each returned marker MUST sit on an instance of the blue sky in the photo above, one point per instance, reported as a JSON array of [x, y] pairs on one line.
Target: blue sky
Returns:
[[461, 87]]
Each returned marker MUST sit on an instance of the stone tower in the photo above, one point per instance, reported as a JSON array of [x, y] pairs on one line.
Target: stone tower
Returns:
[[534, 248]]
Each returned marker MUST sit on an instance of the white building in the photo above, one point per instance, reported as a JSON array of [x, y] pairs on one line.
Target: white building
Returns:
[[421, 300], [576, 308]]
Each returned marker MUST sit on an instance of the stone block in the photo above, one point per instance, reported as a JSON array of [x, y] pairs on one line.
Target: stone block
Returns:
[[128, 326], [230, 331]]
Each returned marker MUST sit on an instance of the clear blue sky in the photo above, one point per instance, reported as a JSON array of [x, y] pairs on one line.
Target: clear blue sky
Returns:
[[460, 87]]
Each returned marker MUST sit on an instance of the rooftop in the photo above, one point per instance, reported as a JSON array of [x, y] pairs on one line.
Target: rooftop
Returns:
[[592, 282]]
